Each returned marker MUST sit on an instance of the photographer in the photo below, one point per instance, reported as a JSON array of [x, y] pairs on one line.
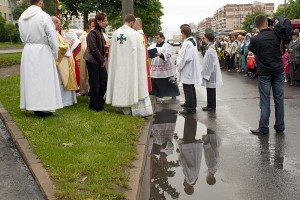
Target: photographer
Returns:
[[266, 48]]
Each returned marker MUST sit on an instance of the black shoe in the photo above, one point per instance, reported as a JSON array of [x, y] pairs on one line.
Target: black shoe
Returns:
[[186, 111], [208, 109], [292, 83], [279, 132], [42, 114], [183, 105], [173, 97], [257, 131]]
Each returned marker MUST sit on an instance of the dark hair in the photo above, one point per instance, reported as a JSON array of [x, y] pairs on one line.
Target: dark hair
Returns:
[[184, 25], [260, 20], [99, 16], [160, 34], [34, 2], [129, 18], [186, 30], [296, 32], [91, 20], [210, 36]]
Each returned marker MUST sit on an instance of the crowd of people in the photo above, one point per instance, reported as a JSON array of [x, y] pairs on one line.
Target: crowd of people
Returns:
[[234, 55]]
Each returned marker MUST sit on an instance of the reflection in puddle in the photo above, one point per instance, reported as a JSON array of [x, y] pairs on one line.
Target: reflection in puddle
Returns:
[[175, 153]]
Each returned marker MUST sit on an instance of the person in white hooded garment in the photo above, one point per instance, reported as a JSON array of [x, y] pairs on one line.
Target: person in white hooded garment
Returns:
[[189, 68], [211, 72], [39, 84]]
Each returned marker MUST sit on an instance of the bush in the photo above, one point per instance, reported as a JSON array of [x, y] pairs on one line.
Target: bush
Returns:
[[12, 33], [9, 32]]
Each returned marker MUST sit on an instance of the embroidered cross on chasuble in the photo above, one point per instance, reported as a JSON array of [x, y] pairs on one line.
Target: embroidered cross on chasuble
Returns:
[[121, 38]]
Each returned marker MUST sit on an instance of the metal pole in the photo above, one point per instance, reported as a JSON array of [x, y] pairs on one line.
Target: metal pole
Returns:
[[127, 7], [285, 8]]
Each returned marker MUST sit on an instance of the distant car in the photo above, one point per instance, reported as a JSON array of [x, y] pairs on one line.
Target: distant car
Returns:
[[176, 43]]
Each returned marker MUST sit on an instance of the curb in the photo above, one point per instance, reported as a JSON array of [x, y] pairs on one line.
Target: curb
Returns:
[[35, 166], [136, 171]]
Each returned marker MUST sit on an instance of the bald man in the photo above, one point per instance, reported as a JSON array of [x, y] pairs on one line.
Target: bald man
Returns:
[[66, 68], [138, 26]]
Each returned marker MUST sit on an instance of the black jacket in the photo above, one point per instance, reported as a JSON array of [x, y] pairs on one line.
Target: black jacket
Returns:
[[266, 48], [95, 47]]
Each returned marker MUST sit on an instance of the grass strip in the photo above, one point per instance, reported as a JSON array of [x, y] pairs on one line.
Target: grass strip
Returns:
[[10, 45], [10, 59], [86, 153]]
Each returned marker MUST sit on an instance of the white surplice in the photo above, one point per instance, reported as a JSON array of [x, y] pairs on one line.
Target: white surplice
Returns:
[[211, 72], [211, 153], [162, 68], [39, 84], [127, 76], [188, 63], [189, 157]]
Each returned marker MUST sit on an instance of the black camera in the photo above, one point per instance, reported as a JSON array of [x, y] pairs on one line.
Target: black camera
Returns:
[[270, 22]]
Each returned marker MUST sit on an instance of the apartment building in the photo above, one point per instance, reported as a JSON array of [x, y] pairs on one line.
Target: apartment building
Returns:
[[78, 22], [204, 24], [6, 8], [231, 16]]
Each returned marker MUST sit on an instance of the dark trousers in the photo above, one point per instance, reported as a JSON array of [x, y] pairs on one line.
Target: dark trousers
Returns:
[[98, 85], [211, 97], [232, 62], [190, 96]]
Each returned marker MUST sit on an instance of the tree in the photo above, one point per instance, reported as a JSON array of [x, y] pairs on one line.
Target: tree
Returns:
[[50, 7], [3, 33], [20, 8], [150, 11], [209, 30], [127, 7], [249, 20], [292, 10]]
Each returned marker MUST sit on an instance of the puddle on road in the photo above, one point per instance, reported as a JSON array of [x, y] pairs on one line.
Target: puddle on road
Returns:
[[182, 158]]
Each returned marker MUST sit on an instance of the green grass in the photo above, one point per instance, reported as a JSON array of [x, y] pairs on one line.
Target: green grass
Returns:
[[9, 45], [104, 145], [10, 59]]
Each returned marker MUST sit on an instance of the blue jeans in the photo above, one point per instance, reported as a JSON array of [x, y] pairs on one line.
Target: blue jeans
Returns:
[[264, 86]]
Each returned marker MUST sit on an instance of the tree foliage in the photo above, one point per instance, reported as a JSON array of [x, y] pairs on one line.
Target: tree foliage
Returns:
[[9, 32], [249, 20], [292, 10], [49, 7], [150, 11], [19, 9]]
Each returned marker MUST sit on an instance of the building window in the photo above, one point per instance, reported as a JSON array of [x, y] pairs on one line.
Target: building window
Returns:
[[5, 17]]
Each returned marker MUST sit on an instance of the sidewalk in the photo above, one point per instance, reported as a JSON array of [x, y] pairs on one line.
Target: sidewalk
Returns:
[[4, 51], [9, 71]]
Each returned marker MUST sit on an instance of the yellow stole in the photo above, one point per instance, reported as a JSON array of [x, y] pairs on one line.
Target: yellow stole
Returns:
[[66, 66]]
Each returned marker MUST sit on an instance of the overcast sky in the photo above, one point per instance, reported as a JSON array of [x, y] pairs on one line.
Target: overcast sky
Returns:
[[177, 12]]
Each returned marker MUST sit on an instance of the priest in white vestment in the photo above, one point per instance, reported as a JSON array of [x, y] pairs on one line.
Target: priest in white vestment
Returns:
[[66, 68], [39, 85], [189, 68], [189, 151], [162, 71], [127, 88], [211, 73]]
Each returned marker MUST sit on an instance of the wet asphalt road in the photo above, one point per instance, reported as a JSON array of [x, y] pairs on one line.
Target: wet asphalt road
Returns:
[[219, 145], [16, 182]]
